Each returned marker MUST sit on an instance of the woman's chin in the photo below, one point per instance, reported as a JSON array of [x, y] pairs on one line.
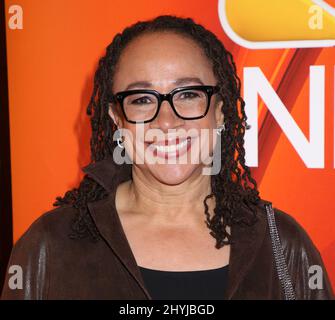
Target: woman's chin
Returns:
[[172, 174]]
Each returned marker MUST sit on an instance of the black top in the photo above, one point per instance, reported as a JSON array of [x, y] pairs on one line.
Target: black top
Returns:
[[203, 284]]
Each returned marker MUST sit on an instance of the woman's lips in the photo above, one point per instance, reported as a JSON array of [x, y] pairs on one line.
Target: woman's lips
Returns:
[[171, 148]]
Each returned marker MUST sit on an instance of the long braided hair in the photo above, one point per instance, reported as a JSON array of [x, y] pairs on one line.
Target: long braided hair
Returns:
[[231, 187]]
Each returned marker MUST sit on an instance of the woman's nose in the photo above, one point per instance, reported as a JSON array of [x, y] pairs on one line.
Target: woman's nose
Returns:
[[166, 117]]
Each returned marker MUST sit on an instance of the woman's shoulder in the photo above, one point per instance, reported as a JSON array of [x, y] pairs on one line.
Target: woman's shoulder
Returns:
[[31, 253], [292, 233], [290, 230], [302, 255], [295, 240], [49, 222]]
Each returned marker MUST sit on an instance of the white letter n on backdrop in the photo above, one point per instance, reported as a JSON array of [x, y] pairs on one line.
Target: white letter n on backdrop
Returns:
[[310, 150]]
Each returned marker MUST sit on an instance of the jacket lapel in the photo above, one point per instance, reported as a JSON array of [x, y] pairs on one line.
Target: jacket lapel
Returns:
[[106, 218], [247, 240]]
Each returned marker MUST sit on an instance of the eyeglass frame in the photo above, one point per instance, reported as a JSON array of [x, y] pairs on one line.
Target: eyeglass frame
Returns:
[[121, 95]]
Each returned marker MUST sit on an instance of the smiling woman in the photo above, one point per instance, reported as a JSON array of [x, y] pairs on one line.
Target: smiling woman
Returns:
[[156, 229]]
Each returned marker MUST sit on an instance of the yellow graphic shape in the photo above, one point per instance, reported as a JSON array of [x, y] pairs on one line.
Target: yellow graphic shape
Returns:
[[278, 23]]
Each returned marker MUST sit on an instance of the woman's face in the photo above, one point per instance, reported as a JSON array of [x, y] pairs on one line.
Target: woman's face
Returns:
[[163, 62]]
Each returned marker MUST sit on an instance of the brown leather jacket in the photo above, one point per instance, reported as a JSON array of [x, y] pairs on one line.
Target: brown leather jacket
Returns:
[[57, 267]]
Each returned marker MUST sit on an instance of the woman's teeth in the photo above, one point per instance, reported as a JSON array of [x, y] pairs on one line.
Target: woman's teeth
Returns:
[[171, 148]]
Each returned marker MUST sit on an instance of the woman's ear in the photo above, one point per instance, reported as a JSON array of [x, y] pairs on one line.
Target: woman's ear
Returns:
[[219, 116], [114, 115]]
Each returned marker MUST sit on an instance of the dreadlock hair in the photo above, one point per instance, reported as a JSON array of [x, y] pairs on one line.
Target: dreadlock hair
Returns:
[[230, 187]]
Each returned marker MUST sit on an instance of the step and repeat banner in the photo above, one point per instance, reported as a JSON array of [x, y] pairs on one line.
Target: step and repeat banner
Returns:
[[285, 56]]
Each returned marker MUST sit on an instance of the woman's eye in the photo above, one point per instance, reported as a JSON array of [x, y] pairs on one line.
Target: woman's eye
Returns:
[[141, 100], [189, 95]]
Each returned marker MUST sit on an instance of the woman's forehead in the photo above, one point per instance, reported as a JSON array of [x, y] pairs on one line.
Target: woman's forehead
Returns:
[[162, 58], [160, 46]]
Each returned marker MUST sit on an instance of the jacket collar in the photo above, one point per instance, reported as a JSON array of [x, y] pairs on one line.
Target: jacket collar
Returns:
[[247, 240]]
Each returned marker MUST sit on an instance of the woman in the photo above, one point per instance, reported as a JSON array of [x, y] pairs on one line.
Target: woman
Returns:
[[153, 229]]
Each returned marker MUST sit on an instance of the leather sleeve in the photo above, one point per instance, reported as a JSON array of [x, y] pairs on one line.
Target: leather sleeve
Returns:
[[30, 255], [307, 270]]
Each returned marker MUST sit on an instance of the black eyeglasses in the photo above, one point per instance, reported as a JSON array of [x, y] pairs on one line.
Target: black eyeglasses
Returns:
[[143, 106]]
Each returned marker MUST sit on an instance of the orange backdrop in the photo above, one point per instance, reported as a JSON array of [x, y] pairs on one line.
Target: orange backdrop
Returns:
[[51, 63]]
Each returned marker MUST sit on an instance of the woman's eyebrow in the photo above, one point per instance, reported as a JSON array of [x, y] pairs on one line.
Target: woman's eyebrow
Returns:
[[139, 84], [177, 82], [187, 80]]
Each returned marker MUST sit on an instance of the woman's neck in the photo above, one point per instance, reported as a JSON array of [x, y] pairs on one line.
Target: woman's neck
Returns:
[[180, 203]]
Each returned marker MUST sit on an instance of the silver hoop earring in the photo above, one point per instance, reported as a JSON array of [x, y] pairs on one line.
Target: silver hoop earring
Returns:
[[119, 141], [220, 129]]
